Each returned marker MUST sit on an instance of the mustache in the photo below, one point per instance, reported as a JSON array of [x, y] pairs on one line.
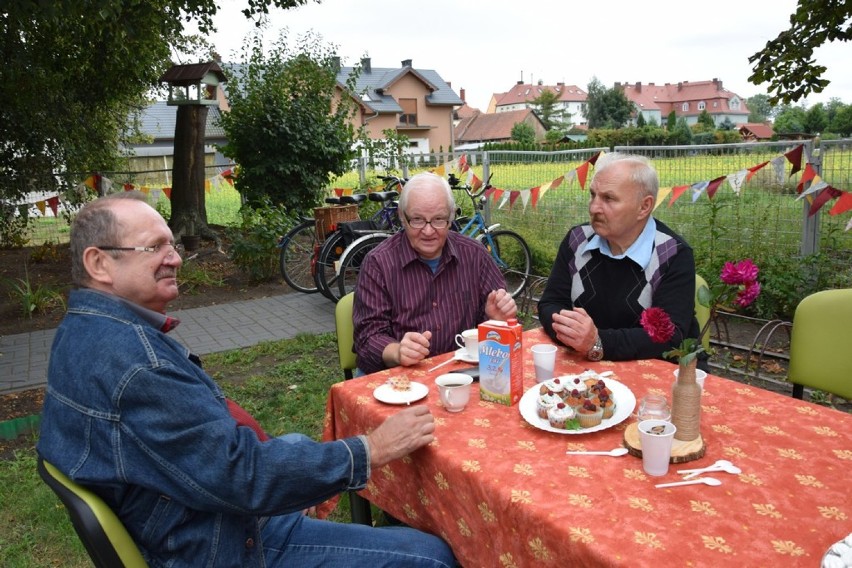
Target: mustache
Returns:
[[162, 274]]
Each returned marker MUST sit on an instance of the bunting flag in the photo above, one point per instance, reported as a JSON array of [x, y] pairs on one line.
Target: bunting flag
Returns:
[[714, 185], [570, 176], [677, 192], [525, 197], [208, 187], [817, 185], [168, 192], [807, 175], [53, 203], [795, 158], [513, 196], [476, 183], [129, 187], [41, 207], [155, 194], [535, 192], [848, 226], [488, 192], [698, 189], [843, 205], [145, 189], [594, 158], [338, 191], [736, 180], [505, 200], [754, 169], [106, 185], [497, 193], [827, 195], [470, 176], [582, 171], [778, 167], [661, 195], [440, 171]]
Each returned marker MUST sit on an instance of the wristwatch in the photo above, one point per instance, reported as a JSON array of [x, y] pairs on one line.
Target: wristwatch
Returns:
[[596, 352]]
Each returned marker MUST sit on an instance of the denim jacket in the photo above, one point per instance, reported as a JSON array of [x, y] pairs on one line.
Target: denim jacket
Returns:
[[130, 416]]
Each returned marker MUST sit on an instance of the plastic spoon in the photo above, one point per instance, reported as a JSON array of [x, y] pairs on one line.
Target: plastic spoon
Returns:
[[705, 480], [447, 362], [721, 465], [616, 452]]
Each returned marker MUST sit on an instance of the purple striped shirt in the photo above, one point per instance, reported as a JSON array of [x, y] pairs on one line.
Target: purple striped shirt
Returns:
[[397, 293]]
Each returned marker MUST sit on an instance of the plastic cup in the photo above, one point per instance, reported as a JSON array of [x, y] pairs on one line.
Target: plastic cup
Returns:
[[699, 376], [656, 437], [544, 360], [454, 389]]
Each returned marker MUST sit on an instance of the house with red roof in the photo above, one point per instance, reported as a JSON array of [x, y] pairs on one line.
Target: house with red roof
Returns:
[[479, 128], [572, 99], [756, 132], [687, 100]]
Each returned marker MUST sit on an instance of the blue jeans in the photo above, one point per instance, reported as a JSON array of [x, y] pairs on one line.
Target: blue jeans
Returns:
[[297, 540]]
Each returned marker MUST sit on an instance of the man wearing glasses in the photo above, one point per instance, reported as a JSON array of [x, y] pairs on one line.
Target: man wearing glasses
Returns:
[[130, 414], [421, 287]]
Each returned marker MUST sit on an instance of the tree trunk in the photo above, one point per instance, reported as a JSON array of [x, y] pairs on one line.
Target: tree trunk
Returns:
[[189, 211]]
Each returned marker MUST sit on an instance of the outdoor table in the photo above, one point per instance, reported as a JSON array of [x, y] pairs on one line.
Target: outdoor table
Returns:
[[502, 492]]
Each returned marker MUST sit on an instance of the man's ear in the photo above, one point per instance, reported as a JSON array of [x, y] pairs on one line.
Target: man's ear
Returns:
[[99, 265], [646, 207]]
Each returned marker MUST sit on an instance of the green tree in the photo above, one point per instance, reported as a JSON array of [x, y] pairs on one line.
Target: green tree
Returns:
[[640, 120], [706, 120], [681, 134], [671, 121], [551, 113], [842, 122], [286, 128], [787, 64], [816, 119], [606, 108], [523, 133], [759, 108], [790, 120], [73, 74]]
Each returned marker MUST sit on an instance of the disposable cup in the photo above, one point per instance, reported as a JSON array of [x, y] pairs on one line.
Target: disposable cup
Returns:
[[699, 376], [656, 437], [454, 389], [544, 360]]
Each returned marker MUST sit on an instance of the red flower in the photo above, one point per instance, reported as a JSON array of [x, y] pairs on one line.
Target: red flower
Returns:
[[657, 323], [743, 272], [748, 294]]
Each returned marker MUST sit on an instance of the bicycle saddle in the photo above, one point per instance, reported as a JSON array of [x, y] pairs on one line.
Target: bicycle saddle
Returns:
[[346, 199], [382, 196]]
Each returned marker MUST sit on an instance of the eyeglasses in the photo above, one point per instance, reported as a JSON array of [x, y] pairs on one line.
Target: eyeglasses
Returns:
[[420, 223], [171, 248]]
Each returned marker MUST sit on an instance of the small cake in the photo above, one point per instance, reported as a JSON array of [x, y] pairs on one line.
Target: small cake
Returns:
[[400, 383], [575, 382], [599, 388], [606, 402], [589, 414], [575, 398], [559, 414], [552, 386], [545, 402]]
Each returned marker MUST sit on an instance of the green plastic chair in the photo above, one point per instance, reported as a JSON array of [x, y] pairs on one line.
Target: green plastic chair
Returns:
[[820, 354], [104, 536], [702, 313], [359, 507]]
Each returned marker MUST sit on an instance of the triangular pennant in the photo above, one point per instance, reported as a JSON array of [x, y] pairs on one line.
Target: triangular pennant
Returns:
[[778, 167], [146, 190], [570, 176], [736, 180], [440, 171], [41, 207], [470, 176], [347, 191], [848, 226], [489, 191], [545, 187], [677, 192], [817, 185], [714, 185], [843, 204], [129, 187], [513, 196], [462, 161], [807, 175], [452, 165], [475, 183], [498, 193], [525, 197], [106, 185], [753, 170], [505, 200], [556, 183], [91, 183], [208, 187], [155, 193], [795, 158], [53, 203], [582, 170], [662, 193], [535, 193], [168, 192], [698, 189], [594, 158], [827, 195]]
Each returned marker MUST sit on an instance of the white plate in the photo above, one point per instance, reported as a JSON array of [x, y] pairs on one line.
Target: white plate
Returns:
[[624, 399], [461, 355], [386, 394]]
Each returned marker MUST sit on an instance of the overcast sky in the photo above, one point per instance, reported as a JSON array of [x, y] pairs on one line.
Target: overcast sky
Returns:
[[485, 47]]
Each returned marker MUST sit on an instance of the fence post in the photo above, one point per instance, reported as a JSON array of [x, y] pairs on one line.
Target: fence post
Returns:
[[486, 175], [810, 224]]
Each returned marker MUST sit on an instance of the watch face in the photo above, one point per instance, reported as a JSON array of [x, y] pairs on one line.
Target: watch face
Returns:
[[595, 354]]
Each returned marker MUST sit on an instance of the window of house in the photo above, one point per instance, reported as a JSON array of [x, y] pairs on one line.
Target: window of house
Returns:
[[735, 104], [702, 105], [409, 112], [685, 107]]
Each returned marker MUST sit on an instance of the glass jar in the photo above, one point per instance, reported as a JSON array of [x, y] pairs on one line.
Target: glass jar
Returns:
[[654, 407]]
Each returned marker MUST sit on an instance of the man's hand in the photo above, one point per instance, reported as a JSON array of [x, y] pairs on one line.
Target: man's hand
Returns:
[[575, 329], [401, 434], [500, 305], [413, 348]]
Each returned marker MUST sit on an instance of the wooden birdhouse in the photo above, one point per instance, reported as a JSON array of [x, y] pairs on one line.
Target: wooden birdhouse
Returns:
[[194, 84]]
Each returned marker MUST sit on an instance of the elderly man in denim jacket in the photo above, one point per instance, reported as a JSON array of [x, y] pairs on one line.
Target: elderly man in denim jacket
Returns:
[[130, 414]]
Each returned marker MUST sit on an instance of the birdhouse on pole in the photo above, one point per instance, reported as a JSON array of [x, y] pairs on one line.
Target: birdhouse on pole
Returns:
[[194, 84]]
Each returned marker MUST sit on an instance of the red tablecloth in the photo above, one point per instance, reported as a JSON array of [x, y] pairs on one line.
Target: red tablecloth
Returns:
[[504, 493]]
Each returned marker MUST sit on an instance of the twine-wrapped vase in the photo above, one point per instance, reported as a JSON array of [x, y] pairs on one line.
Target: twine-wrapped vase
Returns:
[[686, 403]]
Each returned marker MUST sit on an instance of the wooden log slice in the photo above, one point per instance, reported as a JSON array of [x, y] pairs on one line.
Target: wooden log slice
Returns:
[[681, 451]]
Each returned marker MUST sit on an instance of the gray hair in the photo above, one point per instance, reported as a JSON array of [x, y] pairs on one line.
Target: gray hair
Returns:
[[640, 171], [427, 180], [95, 224]]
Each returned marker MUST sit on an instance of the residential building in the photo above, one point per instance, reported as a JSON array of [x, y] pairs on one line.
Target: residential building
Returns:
[[416, 103], [756, 132], [572, 99], [479, 128], [687, 100]]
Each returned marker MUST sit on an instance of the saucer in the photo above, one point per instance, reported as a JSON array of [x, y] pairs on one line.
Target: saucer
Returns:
[[388, 395], [461, 355]]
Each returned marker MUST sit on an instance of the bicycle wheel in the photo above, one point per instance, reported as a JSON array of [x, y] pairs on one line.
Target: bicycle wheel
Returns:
[[512, 255], [325, 273], [350, 265], [297, 251]]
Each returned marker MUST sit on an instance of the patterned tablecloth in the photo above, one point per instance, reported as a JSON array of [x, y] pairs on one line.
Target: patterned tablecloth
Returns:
[[504, 493]]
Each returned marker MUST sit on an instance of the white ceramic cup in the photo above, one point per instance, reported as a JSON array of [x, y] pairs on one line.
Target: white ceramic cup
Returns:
[[469, 341], [544, 360], [656, 445], [699, 376], [454, 389]]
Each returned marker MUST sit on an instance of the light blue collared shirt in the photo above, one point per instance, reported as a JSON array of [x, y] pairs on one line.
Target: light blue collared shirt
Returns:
[[639, 252]]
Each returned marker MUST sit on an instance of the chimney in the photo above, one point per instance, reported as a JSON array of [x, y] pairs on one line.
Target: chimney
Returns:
[[680, 86], [521, 82], [365, 65], [650, 84], [406, 63], [617, 85], [638, 86], [335, 64], [461, 95], [718, 84]]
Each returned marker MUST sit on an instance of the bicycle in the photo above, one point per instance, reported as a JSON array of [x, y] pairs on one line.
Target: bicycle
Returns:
[[508, 249], [300, 247], [384, 221]]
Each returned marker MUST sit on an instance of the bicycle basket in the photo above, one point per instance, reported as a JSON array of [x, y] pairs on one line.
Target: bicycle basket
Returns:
[[351, 230], [328, 218]]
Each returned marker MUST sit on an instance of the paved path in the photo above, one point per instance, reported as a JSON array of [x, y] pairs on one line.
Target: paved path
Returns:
[[24, 356]]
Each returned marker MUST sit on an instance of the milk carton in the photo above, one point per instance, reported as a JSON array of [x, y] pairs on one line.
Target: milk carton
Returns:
[[501, 364]]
